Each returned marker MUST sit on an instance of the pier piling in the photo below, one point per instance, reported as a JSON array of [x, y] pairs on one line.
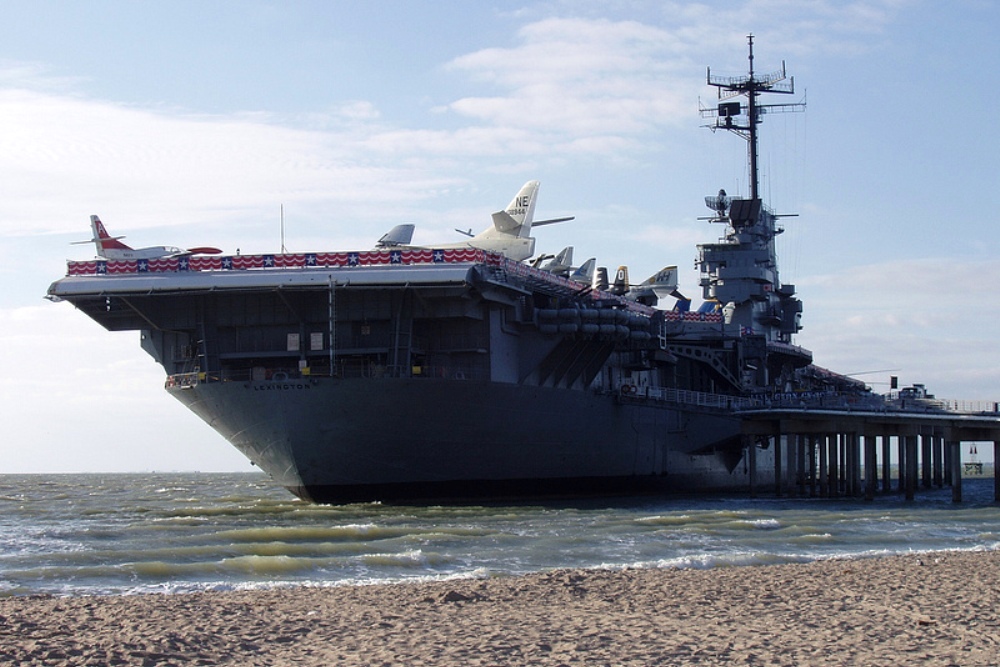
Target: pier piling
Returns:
[[778, 477], [910, 442], [835, 453], [886, 469], [956, 471], [813, 446], [926, 437], [937, 445], [871, 468], [800, 464], [996, 471], [824, 465]]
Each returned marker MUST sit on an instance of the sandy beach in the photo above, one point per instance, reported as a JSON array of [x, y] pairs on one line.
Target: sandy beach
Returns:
[[930, 609]]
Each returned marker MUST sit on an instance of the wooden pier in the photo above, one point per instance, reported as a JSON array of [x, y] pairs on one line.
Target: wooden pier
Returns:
[[829, 452]]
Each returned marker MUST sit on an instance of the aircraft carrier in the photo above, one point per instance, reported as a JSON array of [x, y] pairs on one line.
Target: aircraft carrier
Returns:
[[463, 370]]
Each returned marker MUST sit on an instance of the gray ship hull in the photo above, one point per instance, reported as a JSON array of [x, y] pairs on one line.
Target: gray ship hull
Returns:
[[336, 440]]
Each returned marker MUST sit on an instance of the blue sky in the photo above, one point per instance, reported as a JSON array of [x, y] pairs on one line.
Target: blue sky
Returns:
[[191, 123]]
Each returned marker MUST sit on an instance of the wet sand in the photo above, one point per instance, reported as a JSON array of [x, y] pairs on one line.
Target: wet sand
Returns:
[[931, 609]]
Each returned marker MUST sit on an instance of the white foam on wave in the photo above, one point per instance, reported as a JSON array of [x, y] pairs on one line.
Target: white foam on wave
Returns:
[[764, 524]]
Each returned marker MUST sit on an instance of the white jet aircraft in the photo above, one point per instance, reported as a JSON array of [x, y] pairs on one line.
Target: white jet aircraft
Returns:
[[509, 234]]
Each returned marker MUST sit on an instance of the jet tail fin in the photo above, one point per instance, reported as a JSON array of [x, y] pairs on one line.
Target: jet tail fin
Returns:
[[398, 235], [511, 229], [102, 239], [521, 208], [663, 282], [601, 283], [515, 220], [585, 272], [510, 233], [620, 285], [561, 264]]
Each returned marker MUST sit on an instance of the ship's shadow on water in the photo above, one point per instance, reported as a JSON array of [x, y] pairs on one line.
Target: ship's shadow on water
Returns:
[[976, 491], [123, 534]]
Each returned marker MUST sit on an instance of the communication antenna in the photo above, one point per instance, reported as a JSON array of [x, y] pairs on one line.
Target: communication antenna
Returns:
[[281, 215], [727, 114]]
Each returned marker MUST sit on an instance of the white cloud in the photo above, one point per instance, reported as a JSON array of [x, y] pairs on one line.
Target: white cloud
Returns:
[[578, 77], [68, 155], [925, 319]]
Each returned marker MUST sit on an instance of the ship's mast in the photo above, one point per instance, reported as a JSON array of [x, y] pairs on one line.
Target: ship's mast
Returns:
[[740, 271], [751, 86]]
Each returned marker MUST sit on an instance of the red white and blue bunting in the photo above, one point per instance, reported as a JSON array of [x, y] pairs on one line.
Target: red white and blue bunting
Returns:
[[281, 261]]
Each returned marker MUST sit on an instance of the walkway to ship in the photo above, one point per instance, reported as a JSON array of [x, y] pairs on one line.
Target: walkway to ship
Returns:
[[830, 452]]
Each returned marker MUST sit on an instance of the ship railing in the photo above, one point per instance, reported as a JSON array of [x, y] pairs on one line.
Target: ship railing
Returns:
[[184, 380], [849, 401], [943, 405], [844, 401], [686, 397], [343, 370], [824, 400], [976, 407]]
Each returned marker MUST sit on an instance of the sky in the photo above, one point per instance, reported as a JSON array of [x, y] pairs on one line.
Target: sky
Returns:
[[194, 123]]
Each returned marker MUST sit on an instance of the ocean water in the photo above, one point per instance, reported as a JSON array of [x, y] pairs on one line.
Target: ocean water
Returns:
[[141, 533]]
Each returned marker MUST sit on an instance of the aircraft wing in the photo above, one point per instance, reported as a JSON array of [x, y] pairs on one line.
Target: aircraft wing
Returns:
[[503, 222], [536, 223]]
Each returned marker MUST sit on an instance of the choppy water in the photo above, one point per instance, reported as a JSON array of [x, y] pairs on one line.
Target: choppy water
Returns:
[[122, 534]]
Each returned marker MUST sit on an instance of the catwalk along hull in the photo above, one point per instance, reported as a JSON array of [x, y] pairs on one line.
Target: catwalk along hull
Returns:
[[333, 440]]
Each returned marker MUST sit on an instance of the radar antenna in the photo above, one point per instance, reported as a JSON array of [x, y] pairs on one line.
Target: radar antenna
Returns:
[[720, 204], [751, 86]]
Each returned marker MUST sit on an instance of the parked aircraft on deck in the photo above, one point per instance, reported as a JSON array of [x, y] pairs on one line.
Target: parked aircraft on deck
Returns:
[[110, 247], [509, 233], [561, 264], [658, 286]]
